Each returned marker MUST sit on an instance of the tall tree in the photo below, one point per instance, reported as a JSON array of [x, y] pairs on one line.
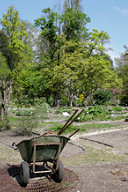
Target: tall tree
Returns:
[[48, 25], [12, 46], [75, 4], [14, 29], [122, 69], [74, 24], [4, 89], [96, 42]]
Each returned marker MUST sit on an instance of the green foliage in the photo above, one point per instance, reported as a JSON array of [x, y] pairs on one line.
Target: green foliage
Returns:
[[30, 118], [14, 29], [24, 112], [96, 40], [122, 69], [74, 24], [60, 110], [4, 125], [65, 100], [99, 126], [115, 108], [49, 29], [7, 51], [25, 127], [124, 99], [43, 107], [68, 60], [102, 96], [4, 69], [93, 112], [70, 129], [126, 119]]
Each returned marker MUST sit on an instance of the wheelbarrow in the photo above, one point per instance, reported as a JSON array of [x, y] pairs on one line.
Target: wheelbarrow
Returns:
[[45, 148]]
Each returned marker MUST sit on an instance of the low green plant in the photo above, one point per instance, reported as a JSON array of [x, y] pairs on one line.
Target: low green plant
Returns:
[[24, 113], [70, 129], [25, 127], [60, 110], [93, 112], [115, 108], [43, 107], [126, 119], [99, 125]]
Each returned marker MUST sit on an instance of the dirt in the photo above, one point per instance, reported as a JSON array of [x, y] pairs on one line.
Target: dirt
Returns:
[[90, 166]]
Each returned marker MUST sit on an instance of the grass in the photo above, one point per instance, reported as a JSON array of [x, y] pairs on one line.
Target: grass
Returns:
[[84, 127], [95, 156], [70, 129], [26, 118], [99, 125]]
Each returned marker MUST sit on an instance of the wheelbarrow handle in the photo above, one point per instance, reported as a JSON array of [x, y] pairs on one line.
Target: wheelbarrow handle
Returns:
[[14, 146], [74, 133], [65, 127], [61, 130]]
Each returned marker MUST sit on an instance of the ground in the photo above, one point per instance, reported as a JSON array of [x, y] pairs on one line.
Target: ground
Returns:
[[94, 162]]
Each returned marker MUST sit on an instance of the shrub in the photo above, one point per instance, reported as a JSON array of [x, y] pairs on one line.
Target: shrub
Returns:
[[65, 100], [93, 112], [124, 99], [116, 108], [102, 96], [26, 127]]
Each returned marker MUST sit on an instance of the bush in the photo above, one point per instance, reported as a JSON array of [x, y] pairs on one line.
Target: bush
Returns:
[[116, 108], [93, 112], [26, 127], [124, 99], [102, 96], [65, 100]]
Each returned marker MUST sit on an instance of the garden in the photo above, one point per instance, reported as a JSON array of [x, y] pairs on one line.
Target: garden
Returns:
[[48, 70]]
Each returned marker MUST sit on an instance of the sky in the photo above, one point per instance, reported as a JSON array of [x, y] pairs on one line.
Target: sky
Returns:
[[110, 16]]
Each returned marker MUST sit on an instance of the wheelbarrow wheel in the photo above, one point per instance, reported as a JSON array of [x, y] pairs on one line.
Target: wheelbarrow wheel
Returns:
[[24, 170], [59, 173]]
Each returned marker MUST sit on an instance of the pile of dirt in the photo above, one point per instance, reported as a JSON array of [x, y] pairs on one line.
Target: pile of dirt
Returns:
[[10, 181]]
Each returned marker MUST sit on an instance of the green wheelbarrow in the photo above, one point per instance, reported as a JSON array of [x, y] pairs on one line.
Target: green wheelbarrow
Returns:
[[46, 149]]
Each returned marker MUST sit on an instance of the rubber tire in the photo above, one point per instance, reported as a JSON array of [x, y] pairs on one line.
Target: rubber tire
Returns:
[[59, 174], [24, 170]]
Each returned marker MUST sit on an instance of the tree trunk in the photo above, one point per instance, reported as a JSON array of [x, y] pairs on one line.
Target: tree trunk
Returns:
[[71, 100], [5, 102], [56, 100]]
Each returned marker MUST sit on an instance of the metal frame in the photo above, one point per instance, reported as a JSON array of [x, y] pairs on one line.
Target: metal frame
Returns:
[[34, 156]]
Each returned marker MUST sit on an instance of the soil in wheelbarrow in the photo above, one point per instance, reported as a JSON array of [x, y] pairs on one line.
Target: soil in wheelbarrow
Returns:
[[10, 181]]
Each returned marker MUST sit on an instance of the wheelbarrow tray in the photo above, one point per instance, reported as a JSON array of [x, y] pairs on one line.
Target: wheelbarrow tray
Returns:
[[48, 147]]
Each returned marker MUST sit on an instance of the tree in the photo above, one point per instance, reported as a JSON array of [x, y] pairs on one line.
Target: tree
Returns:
[[12, 47], [49, 29], [77, 73], [4, 85], [96, 42], [15, 31], [7, 51], [74, 24], [75, 4], [122, 69]]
